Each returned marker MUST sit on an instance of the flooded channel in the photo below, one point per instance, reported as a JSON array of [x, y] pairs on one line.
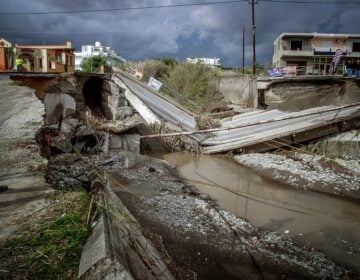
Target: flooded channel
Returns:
[[324, 222]]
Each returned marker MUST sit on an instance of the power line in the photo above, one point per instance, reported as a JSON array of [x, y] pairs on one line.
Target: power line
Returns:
[[309, 2], [175, 6], [122, 9], [63, 32]]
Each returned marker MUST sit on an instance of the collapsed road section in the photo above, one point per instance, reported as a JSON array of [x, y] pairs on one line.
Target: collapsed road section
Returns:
[[147, 223], [249, 132]]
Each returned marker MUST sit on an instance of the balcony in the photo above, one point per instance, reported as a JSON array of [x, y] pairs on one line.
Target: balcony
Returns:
[[353, 54], [304, 52]]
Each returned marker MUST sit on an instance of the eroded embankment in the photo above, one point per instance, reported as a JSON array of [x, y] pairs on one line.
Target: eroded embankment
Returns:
[[307, 171], [326, 222], [20, 161], [194, 236], [41, 232]]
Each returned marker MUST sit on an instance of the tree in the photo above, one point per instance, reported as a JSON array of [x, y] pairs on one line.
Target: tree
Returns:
[[92, 63]]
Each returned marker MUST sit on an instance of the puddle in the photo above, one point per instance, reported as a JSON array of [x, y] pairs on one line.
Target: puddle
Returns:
[[327, 223]]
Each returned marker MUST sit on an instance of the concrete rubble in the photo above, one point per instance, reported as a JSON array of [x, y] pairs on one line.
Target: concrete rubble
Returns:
[[343, 145], [58, 106]]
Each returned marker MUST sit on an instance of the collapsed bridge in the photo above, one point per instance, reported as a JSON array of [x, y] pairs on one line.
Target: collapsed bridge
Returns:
[[249, 132]]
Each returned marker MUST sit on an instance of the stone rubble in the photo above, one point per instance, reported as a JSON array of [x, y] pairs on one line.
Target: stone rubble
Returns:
[[306, 171]]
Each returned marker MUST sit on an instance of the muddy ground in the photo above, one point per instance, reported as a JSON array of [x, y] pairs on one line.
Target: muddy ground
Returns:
[[198, 240]]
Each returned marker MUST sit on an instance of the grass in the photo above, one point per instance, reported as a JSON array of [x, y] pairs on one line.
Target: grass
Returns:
[[51, 247]]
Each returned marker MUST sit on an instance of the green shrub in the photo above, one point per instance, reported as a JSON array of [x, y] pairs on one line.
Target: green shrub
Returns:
[[92, 64], [193, 81]]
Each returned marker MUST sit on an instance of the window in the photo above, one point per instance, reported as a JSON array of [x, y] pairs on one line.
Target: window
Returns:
[[58, 57], [40, 62], [296, 45], [356, 47], [52, 65]]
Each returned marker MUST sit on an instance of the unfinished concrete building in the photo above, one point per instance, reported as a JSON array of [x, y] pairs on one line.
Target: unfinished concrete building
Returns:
[[312, 53]]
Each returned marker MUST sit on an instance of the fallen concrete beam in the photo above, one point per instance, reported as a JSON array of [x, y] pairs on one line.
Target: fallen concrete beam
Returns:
[[117, 248], [128, 142], [173, 113], [139, 106], [244, 137]]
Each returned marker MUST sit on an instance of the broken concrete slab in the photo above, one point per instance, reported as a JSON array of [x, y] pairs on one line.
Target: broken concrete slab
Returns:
[[58, 106], [84, 130], [252, 133], [344, 145], [152, 104], [105, 145], [97, 251], [68, 126], [118, 127], [136, 102], [129, 142], [123, 113], [117, 239], [61, 143]]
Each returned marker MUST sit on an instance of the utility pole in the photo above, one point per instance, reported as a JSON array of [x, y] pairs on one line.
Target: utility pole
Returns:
[[253, 37], [243, 50]]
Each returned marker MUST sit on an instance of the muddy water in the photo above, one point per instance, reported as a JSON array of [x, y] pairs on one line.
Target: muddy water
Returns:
[[324, 222]]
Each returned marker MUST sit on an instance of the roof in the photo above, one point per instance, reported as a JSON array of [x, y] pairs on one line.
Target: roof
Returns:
[[67, 45], [317, 35], [4, 43]]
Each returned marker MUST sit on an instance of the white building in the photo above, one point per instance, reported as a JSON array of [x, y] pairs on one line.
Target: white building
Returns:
[[94, 50], [209, 62], [313, 53]]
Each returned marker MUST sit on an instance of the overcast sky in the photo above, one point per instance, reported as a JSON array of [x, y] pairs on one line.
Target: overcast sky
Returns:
[[196, 31]]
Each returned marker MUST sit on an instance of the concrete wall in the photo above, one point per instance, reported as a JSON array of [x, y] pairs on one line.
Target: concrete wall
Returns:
[[293, 94], [238, 90], [344, 145], [57, 106]]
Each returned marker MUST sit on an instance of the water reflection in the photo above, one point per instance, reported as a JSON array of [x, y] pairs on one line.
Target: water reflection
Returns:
[[327, 223]]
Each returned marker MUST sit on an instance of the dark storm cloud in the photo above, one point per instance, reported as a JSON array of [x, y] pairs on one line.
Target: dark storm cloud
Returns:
[[214, 30]]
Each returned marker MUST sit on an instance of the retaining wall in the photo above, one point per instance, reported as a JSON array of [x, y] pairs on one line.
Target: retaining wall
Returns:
[[295, 94], [238, 90]]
